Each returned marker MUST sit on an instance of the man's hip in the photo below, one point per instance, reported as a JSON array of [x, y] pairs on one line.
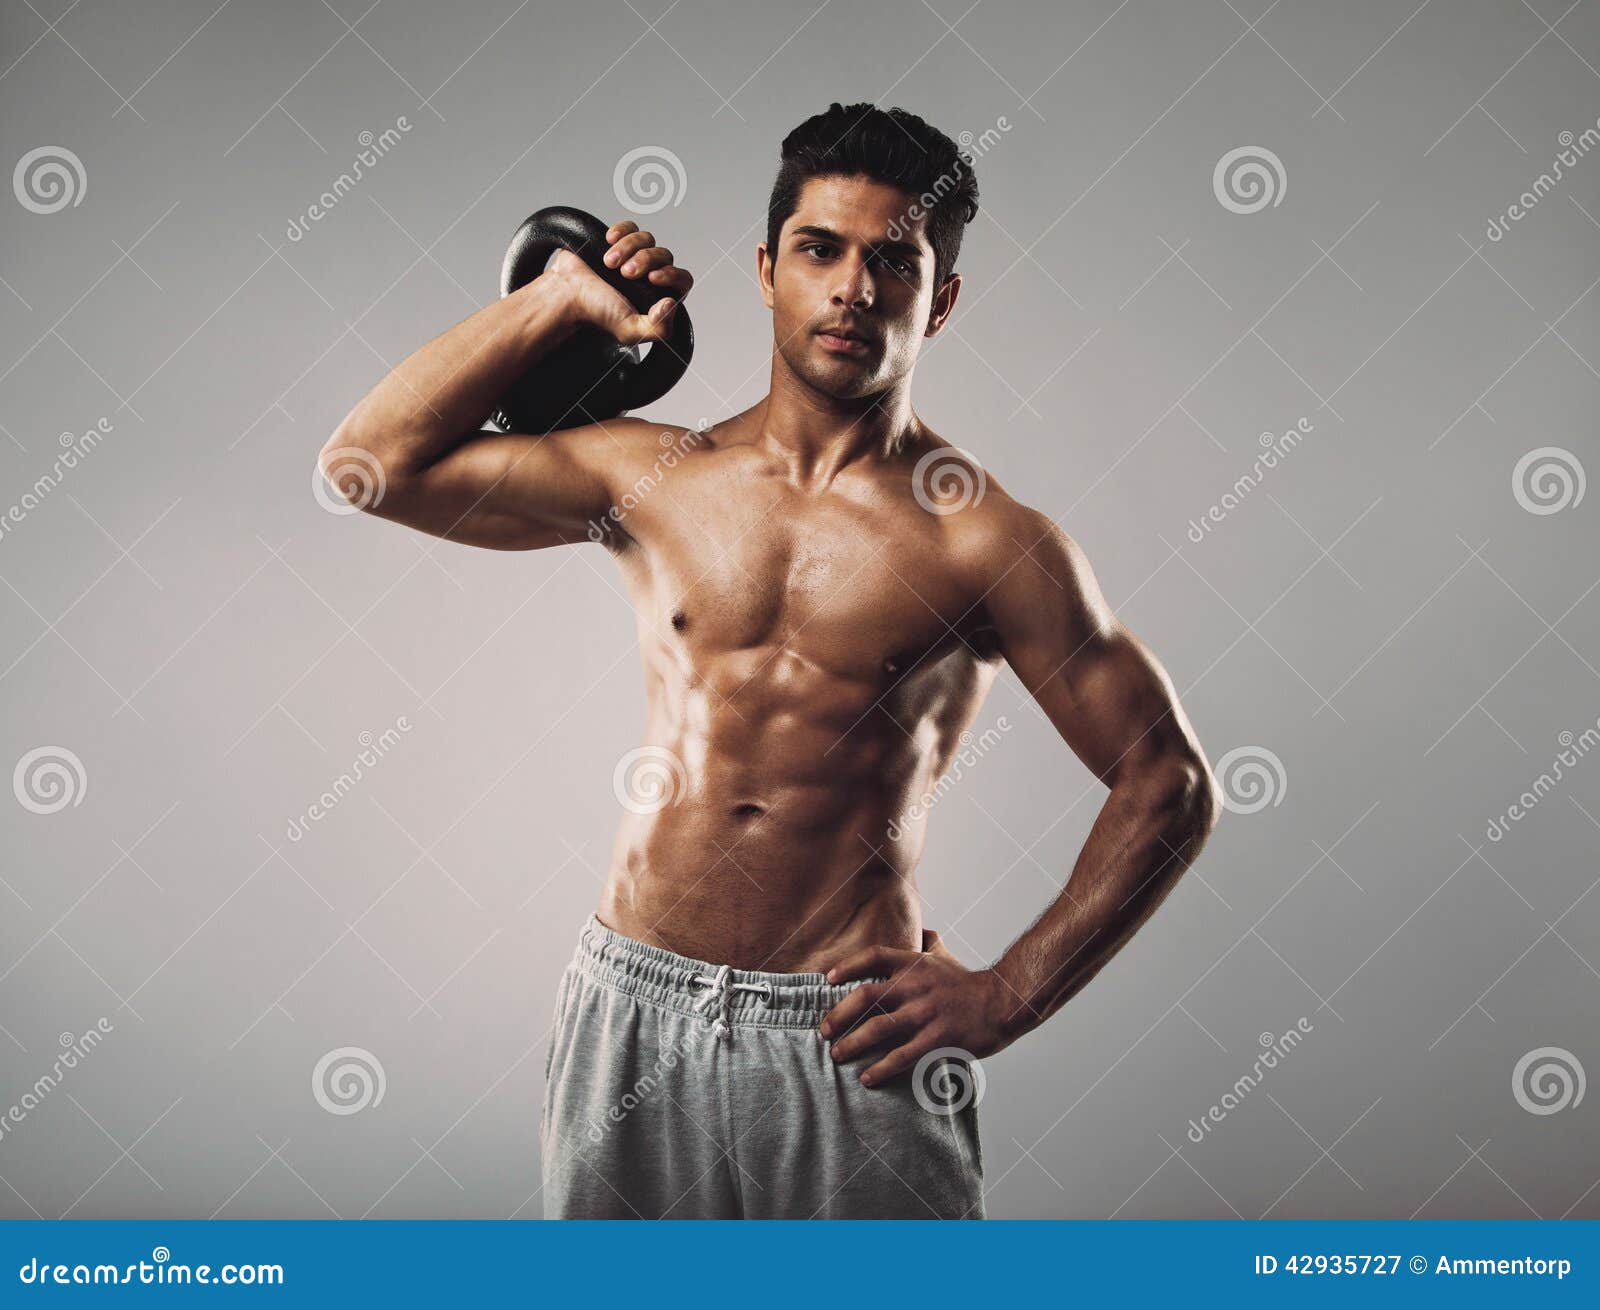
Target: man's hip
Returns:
[[678, 1088]]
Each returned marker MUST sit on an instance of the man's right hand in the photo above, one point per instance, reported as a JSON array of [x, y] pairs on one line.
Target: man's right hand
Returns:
[[592, 302]]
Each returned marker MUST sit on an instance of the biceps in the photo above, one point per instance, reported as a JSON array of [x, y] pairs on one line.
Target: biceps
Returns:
[[502, 491]]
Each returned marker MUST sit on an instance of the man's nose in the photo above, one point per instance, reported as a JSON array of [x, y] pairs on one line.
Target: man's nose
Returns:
[[855, 287]]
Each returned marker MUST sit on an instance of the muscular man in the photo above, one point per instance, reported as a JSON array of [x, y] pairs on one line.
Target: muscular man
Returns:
[[826, 589]]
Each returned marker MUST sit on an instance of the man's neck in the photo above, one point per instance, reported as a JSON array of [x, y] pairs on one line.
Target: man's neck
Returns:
[[817, 436]]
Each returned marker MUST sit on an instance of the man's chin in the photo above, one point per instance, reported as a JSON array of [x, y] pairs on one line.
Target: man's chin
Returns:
[[849, 370], [842, 382]]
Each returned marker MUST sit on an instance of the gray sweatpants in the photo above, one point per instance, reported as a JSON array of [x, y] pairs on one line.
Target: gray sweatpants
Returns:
[[678, 1088]]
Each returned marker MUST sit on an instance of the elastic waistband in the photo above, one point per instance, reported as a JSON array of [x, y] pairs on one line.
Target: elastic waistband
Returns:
[[742, 997]]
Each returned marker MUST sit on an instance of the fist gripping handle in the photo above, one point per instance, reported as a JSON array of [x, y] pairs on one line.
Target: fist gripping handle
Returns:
[[589, 377]]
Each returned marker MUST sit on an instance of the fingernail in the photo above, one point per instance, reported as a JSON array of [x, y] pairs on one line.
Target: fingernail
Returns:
[[866, 1080], [826, 1030]]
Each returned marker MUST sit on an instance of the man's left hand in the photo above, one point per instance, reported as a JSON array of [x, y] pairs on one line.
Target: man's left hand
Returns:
[[928, 1001]]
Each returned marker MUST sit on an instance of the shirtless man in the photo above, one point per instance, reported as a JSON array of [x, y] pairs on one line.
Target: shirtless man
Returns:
[[755, 1022]]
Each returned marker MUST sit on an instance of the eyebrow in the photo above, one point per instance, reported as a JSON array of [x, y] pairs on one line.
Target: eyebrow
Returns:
[[828, 234]]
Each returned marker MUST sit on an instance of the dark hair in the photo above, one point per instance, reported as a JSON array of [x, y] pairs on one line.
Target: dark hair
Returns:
[[889, 146]]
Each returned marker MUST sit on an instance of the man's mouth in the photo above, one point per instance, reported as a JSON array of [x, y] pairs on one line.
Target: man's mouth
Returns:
[[844, 340]]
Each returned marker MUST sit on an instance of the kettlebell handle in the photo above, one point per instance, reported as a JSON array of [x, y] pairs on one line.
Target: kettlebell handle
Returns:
[[619, 380]]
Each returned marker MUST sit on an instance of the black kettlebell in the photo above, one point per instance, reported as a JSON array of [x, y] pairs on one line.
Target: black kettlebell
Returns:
[[591, 376]]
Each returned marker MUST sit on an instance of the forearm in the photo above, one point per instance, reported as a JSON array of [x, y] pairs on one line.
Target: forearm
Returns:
[[1149, 830], [440, 395]]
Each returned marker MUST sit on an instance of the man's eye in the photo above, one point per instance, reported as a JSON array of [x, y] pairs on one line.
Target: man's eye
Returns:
[[815, 245]]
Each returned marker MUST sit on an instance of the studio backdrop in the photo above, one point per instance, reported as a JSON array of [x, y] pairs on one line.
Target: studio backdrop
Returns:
[[1286, 311]]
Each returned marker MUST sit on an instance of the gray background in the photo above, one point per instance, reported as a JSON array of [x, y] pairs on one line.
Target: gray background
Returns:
[[1381, 613]]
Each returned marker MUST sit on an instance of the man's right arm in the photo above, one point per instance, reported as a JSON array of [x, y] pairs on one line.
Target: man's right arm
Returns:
[[413, 449]]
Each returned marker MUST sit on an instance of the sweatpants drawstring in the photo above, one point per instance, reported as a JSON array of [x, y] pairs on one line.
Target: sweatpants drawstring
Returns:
[[721, 989]]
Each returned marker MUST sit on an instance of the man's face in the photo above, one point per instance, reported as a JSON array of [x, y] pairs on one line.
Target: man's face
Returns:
[[850, 302]]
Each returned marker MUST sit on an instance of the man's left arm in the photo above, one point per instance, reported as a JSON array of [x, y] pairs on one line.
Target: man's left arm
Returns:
[[1115, 707]]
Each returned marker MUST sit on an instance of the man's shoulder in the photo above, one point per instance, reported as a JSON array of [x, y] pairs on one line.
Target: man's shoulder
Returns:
[[629, 448], [966, 501], [993, 537]]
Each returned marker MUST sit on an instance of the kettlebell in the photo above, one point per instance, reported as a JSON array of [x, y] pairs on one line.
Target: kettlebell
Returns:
[[591, 376]]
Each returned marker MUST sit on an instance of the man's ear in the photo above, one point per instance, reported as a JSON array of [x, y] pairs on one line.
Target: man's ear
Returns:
[[944, 301], [764, 273]]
